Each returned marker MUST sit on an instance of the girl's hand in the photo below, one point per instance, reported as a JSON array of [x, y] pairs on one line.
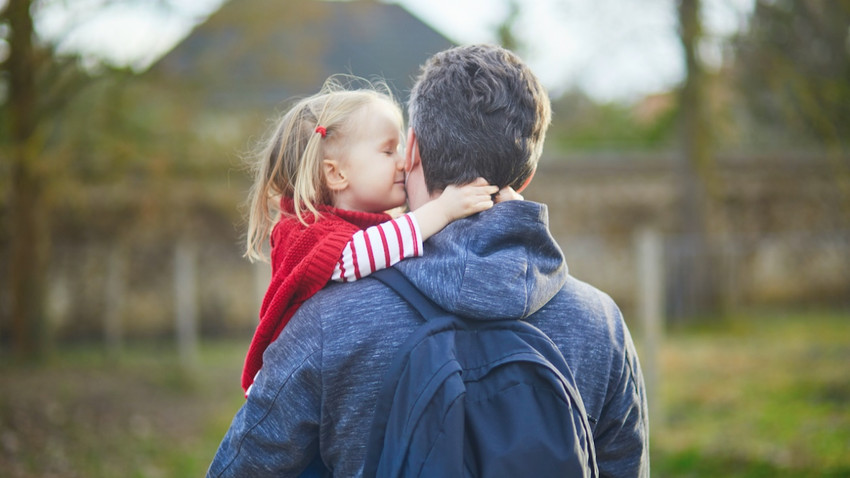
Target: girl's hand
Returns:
[[455, 202], [460, 201], [507, 193]]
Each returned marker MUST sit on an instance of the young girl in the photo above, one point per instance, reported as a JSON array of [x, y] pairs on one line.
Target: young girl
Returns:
[[331, 168]]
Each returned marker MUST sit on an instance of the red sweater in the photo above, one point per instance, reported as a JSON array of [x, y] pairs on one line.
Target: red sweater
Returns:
[[302, 260]]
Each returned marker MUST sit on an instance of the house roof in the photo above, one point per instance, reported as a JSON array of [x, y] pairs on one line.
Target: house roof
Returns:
[[253, 53]]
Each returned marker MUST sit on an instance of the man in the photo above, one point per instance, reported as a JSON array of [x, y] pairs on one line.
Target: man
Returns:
[[475, 111]]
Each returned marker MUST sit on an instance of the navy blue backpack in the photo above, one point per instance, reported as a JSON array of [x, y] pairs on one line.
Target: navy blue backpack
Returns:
[[467, 398]]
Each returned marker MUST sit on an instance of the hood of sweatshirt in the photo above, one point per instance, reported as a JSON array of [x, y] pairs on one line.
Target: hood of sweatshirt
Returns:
[[497, 264]]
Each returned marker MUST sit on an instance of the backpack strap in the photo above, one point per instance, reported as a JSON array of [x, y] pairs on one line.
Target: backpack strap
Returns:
[[394, 279], [435, 319]]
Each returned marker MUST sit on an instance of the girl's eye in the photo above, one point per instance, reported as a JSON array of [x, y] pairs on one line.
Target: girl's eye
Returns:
[[390, 150]]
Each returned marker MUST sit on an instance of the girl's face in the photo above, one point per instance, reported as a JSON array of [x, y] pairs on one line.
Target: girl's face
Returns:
[[371, 163]]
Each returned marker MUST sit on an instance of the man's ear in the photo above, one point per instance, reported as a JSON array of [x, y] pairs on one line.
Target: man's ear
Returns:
[[334, 175], [411, 151], [527, 181]]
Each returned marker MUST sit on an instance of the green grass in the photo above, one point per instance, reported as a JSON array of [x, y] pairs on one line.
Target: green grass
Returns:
[[758, 395], [83, 414]]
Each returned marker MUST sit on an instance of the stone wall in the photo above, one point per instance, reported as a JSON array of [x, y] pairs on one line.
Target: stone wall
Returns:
[[778, 226], [779, 235]]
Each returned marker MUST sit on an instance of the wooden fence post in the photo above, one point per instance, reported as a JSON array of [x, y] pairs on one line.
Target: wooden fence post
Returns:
[[113, 327], [650, 304], [186, 308]]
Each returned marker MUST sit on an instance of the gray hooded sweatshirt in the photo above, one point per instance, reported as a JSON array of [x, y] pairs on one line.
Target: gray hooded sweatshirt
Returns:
[[316, 394]]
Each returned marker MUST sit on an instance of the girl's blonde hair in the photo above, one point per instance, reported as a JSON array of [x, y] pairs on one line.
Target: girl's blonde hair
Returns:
[[289, 161]]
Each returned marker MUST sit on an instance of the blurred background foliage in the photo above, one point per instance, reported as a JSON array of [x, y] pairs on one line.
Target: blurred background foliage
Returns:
[[109, 175], [792, 66]]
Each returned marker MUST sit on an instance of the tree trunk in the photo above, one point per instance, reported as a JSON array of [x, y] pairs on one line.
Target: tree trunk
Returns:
[[694, 277], [29, 238]]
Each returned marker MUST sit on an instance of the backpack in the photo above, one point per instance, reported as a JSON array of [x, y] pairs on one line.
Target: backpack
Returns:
[[468, 398]]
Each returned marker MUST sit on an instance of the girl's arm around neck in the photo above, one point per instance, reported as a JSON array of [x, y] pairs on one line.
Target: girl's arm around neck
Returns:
[[455, 202], [384, 245]]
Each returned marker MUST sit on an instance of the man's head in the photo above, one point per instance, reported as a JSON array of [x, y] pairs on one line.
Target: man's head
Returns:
[[478, 111]]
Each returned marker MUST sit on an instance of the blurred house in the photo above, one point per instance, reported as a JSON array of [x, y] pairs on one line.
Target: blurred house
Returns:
[[244, 65], [253, 54]]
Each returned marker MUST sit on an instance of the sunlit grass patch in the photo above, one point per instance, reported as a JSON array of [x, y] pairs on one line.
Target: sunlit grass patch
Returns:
[[769, 396]]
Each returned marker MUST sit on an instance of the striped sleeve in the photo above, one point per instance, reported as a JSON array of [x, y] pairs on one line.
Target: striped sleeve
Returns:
[[379, 247]]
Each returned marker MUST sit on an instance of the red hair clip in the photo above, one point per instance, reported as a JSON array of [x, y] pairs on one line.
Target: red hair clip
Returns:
[[322, 131]]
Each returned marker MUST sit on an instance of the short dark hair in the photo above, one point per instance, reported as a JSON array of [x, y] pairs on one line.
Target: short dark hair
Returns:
[[478, 110]]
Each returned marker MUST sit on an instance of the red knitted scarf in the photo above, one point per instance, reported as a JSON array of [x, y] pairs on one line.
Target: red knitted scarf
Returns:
[[302, 260]]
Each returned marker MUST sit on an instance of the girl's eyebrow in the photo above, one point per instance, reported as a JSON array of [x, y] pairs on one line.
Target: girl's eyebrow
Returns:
[[389, 141]]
